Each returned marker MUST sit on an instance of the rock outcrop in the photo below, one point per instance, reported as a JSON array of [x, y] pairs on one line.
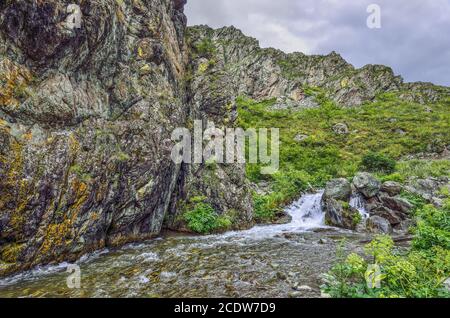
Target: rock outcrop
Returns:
[[295, 80], [336, 204], [385, 210], [86, 116]]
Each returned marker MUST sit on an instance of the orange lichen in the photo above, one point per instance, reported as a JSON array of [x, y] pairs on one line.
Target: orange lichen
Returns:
[[11, 252], [16, 187], [14, 81]]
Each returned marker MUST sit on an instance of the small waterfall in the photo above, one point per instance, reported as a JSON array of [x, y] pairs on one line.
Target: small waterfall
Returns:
[[357, 202], [307, 211]]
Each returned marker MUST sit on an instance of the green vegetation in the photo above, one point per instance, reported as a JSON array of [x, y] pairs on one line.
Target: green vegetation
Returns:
[[418, 272], [203, 219], [205, 48], [374, 142], [375, 162], [381, 134]]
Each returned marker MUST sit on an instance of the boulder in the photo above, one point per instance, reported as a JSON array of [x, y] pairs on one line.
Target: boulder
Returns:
[[397, 204], [300, 137], [340, 214], [378, 225], [341, 129], [427, 188], [393, 217], [338, 189], [392, 188], [367, 184]]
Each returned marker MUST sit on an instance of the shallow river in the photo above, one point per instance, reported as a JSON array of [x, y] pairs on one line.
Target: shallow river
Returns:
[[266, 261]]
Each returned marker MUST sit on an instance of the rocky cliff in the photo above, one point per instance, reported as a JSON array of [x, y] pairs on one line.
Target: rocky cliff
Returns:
[[86, 116], [238, 63]]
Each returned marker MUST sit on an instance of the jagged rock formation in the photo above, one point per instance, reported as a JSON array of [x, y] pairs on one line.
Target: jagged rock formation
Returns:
[[387, 210], [86, 117], [228, 57]]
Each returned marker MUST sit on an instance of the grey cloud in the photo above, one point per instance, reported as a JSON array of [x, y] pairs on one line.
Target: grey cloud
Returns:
[[413, 40]]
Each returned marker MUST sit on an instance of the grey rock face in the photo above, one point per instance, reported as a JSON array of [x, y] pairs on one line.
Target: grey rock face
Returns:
[[392, 188], [340, 215], [338, 189], [367, 184], [378, 225], [428, 188], [86, 117]]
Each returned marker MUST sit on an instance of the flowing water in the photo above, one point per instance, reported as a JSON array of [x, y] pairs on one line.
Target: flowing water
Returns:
[[265, 261]]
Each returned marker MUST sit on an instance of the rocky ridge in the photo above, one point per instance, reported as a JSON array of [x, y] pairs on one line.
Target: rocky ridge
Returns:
[[240, 65]]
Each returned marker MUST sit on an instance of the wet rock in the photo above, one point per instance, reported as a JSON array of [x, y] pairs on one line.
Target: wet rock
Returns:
[[393, 217], [340, 214], [338, 189], [367, 184], [392, 188], [282, 217], [378, 225], [341, 129]]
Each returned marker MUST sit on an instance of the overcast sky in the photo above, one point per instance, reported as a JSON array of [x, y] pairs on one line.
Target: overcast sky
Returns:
[[414, 38]]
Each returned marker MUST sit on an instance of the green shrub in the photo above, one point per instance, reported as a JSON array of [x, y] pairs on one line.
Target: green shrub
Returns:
[[433, 228], [375, 162], [205, 48], [416, 274], [203, 218]]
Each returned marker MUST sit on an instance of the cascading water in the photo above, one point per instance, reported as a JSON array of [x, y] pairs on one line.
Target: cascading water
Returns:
[[306, 214], [194, 266], [357, 201]]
